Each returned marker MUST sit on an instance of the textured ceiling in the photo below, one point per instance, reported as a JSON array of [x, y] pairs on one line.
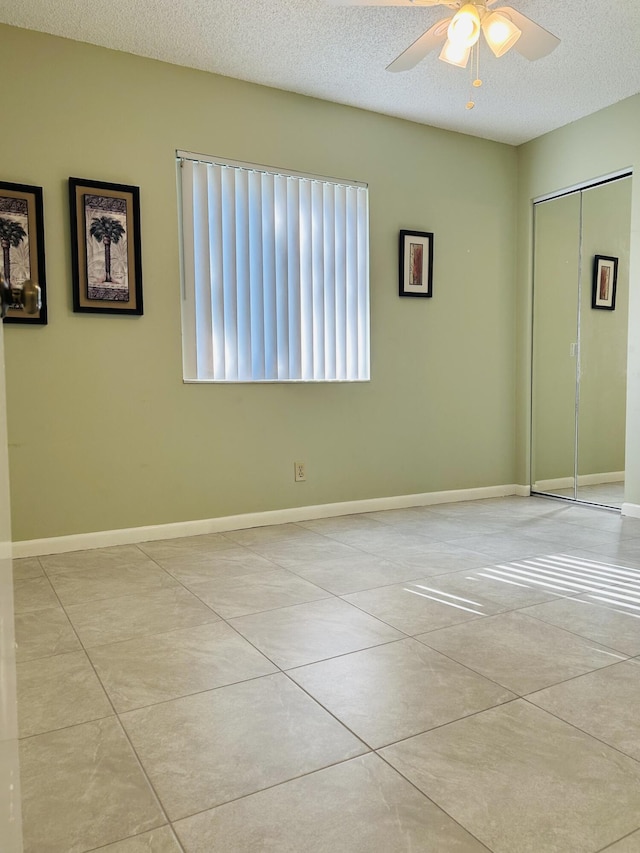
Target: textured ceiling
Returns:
[[340, 53]]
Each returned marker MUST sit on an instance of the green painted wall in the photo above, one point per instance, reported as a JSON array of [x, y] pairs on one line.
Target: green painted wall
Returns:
[[601, 144], [104, 434]]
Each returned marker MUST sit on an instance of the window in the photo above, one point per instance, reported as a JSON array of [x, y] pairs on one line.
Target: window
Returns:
[[276, 275]]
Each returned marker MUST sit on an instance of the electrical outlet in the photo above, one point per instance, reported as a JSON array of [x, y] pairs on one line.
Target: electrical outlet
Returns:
[[300, 475]]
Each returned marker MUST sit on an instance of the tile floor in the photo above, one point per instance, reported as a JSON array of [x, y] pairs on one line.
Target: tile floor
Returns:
[[451, 679]]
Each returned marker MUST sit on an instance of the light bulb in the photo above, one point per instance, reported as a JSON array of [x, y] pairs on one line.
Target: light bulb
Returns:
[[455, 54], [464, 29], [500, 32]]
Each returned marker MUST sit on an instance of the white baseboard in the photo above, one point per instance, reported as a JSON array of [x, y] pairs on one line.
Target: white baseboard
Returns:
[[522, 491], [632, 510], [555, 483], [600, 479], [583, 480], [133, 535]]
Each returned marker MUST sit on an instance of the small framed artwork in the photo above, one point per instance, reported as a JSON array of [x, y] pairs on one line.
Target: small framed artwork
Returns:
[[605, 279], [22, 241], [105, 247], [416, 263]]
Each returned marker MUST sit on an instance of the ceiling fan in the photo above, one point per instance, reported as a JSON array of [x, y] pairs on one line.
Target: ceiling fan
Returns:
[[503, 28]]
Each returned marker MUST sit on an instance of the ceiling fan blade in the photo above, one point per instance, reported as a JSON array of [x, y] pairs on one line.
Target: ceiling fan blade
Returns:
[[535, 42], [427, 42]]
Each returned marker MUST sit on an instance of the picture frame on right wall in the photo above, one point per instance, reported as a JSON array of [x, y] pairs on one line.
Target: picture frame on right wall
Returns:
[[416, 263], [605, 280]]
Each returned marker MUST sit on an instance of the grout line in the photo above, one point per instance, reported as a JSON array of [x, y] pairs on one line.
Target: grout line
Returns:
[[341, 723], [143, 769], [161, 632], [24, 738], [618, 840], [233, 628], [328, 595], [575, 726], [439, 807], [624, 655], [138, 835], [275, 785], [504, 686], [284, 670], [70, 570], [117, 717], [176, 838], [470, 715], [165, 701]]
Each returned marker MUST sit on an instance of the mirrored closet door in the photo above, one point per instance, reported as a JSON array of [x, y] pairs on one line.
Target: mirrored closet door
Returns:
[[580, 319]]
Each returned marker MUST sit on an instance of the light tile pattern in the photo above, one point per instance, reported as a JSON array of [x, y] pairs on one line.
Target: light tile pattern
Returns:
[[630, 844], [43, 633], [95, 584], [26, 568], [57, 692], [112, 620], [204, 750], [409, 608], [83, 787], [360, 805], [157, 841], [394, 691], [617, 629], [519, 779], [586, 703], [268, 591], [229, 691], [522, 653], [293, 636], [166, 666], [33, 594]]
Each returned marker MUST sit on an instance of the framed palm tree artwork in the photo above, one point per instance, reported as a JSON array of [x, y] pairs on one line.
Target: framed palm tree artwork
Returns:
[[105, 247], [22, 242]]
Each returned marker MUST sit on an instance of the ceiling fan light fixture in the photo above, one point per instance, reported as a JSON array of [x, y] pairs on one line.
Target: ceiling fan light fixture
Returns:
[[464, 29], [455, 54], [500, 32]]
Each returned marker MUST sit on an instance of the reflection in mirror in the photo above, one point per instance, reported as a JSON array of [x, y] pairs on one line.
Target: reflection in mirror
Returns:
[[555, 329], [606, 223]]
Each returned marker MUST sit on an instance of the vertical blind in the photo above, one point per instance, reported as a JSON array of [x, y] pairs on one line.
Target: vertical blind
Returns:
[[276, 276]]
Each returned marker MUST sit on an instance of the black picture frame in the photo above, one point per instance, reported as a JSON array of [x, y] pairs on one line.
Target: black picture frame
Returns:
[[605, 282], [106, 253], [416, 263], [22, 240]]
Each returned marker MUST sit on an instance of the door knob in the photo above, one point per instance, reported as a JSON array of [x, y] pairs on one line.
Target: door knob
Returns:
[[28, 294]]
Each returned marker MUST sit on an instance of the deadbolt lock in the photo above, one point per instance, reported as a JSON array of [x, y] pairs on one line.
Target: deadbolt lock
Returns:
[[28, 295]]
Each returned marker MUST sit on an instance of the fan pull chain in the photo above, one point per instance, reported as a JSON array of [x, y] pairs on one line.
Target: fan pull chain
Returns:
[[476, 82]]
